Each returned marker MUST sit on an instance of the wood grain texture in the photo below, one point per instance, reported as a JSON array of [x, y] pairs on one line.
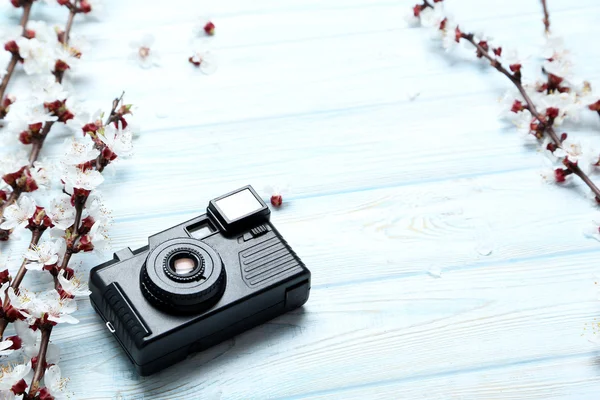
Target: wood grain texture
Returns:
[[385, 193]]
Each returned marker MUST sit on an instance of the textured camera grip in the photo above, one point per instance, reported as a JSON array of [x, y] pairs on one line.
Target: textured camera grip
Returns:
[[117, 309], [270, 259]]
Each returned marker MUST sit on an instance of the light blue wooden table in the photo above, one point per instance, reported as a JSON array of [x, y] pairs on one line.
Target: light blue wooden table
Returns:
[[385, 192]]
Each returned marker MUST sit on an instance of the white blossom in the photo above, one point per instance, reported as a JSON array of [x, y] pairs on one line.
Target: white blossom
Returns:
[[118, 140], [570, 149], [79, 152], [43, 32], [592, 231], [75, 287], [75, 177], [27, 111], [16, 216], [11, 375], [61, 212], [44, 254], [56, 383], [431, 17], [59, 310], [205, 60], [5, 347], [143, 53], [37, 57], [41, 173], [47, 89]]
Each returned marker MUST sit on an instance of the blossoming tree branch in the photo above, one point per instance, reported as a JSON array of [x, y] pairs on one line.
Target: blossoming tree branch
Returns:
[[537, 108], [59, 206]]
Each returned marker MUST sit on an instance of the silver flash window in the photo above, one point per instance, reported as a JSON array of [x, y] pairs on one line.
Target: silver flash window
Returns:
[[238, 210]]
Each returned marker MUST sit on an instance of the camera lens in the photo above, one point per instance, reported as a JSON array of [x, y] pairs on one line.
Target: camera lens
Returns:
[[183, 263], [183, 276]]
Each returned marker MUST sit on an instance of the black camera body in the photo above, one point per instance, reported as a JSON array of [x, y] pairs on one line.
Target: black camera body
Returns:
[[199, 283]]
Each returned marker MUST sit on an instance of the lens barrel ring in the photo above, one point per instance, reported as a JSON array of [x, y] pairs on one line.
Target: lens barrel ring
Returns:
[[183, 296], [194, 275]]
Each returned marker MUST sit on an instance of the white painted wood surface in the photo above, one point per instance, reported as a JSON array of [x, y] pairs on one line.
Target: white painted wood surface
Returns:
[[383, 190]]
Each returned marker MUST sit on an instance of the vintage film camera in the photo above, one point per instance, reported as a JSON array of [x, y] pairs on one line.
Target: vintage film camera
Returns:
[[199, 283]]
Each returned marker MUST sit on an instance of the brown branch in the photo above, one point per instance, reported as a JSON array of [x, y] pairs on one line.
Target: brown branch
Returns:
[[9, 71], [113, 111], [69, 25], [546, 16], [546, 124], [40, 367], [15, 58]]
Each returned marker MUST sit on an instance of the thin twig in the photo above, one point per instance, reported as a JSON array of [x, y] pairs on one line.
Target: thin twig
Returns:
[[546, 16], [113, 111], [15, 58], [9, 71], [40, 368]]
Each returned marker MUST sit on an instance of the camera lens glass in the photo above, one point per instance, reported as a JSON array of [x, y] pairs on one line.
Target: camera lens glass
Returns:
[[183, 263]]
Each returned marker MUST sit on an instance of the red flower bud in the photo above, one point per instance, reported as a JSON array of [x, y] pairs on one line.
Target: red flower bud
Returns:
[[36, 128], [61, 66], [4, 276], [209, 28], [86, 225], [517, 107], [417, 10], [89, 128], [66, 116], [29, 33], [276, 200], [69, 273], [560, 175], [457, 35], [12, 47], [551, 147], [21, 180], [63, 2], [563, 137], [12, 314], [552, 112], [85, 7], [443, 24], [16, 342], [45, 394], [108, 154], [25, 137], [595, 106], [515, 67], [85, 244], [498, 51], [19, 387], [484, 48], [79, 196], [196, 63], [554, 81]]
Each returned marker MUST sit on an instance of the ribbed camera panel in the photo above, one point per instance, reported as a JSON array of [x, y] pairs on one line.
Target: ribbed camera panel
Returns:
[[116, 310], [267, 260]]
